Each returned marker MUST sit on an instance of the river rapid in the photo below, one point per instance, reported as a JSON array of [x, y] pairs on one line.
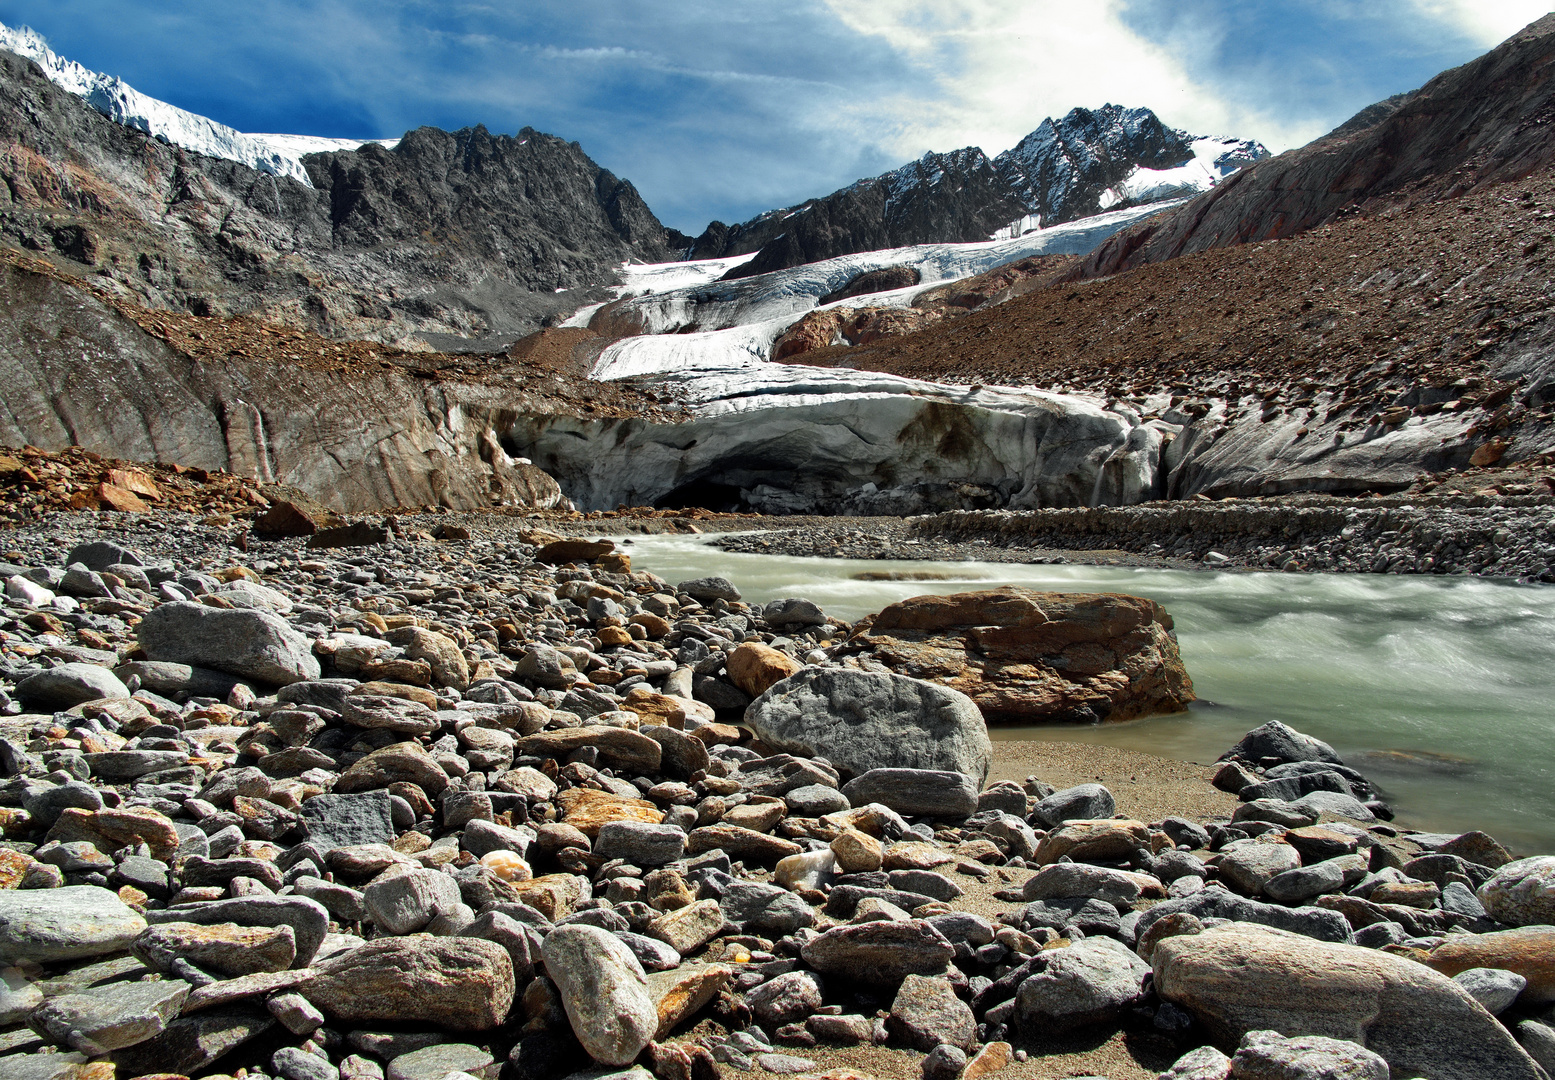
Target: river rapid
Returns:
[[1438, 689]]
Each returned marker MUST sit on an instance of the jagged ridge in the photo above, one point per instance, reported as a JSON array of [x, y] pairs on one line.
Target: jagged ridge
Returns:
[[1085, 163]]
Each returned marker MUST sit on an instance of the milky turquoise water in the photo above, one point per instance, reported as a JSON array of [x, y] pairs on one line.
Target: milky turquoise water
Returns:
[[1440, 689]]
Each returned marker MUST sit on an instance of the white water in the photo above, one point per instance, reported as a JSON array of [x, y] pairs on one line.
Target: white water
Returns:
[[1453, 674]]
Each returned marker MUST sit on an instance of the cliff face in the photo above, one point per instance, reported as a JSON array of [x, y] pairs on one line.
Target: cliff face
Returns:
[[358, 428], [451, 233], [1484, 122]]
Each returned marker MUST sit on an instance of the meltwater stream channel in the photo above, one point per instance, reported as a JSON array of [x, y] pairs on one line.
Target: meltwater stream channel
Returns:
[[1439, 689]]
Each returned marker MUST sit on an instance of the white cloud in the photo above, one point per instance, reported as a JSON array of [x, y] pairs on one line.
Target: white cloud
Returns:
[[993, 69], [1487, 22]]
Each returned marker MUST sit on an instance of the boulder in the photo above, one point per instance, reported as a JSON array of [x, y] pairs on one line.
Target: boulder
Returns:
[[864, 720], [1522, 892], [1085, 802], [882, 953], [1025, 656], [101, 1019], [1267, 1055], [640, 843], [793, 611], [1091, 982], [927, 1012], [222, 949], [1237, 979], [619, 748], [707, 589], [756, 668], [1277, 740], [241, 641], [308, 919], [72, 923], [68, 685], [789, 997], [1113, 840], [457, 982], [938, 793], [603, 990], [1120, 887], [1218, 903]]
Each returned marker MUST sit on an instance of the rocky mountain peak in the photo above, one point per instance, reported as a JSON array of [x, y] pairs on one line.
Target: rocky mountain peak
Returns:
[[1087, 162], [1080, 165]]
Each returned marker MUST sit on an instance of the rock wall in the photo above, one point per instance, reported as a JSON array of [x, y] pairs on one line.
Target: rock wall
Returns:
[[73, 371]]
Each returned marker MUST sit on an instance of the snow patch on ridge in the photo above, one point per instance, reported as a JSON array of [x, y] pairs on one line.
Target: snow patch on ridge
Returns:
[[1214, 159], [278, 155]]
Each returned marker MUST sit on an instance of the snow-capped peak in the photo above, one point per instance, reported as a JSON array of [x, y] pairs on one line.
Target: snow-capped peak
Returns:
[[278, 155]]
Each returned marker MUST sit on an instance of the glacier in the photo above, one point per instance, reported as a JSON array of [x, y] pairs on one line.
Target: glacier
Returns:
[[788, 438], [735, 322], [278, 155]]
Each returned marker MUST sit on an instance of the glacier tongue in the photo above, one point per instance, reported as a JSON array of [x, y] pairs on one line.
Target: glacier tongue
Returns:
[[790, 439], [737, 321], [278, 155]]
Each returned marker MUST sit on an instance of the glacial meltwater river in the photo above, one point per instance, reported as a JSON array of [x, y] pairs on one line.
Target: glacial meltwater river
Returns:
[[1438, 689]]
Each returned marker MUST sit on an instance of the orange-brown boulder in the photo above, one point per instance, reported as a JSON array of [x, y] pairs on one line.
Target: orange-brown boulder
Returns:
[[756, 668], [1025, 656], [573, 550]]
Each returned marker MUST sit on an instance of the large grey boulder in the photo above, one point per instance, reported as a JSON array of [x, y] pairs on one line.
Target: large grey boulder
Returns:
[[881, 953], [100, 1019], [863, 720], [1219, 903], [45, 925], [308, 919], [251, 643], [603, 990], [1237, 979], [1086, 802], [927, 1012]]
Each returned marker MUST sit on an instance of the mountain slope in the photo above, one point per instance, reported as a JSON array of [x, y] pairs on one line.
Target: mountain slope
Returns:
[[466, 233], [1484, 122], [1081, 165]]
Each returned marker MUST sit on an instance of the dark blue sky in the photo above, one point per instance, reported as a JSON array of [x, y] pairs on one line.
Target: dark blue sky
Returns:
[[724, 108]]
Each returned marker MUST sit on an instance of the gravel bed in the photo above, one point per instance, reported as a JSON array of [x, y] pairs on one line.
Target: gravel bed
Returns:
[[475, 806]]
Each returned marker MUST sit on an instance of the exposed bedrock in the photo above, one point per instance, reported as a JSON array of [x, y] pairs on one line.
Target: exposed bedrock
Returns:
[[794, 440], [73, 371]]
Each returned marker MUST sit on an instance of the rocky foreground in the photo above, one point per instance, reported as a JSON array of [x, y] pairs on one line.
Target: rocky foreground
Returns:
[[476, 808]]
